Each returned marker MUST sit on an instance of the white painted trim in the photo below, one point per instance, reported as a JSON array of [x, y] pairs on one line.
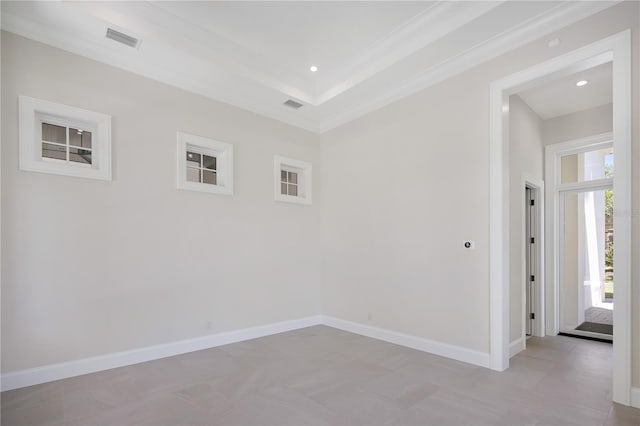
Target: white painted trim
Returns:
[[79, 367], [550, 21], [589, 185], [622, 212], [431, 24], [224, 163], [399, 44], [553, 154], [32, 112], [305, 181], [581, 145], [536, 185], [48, 373], [437, 348], [616, 48], [517, 346], [498, 228], [635, 397]]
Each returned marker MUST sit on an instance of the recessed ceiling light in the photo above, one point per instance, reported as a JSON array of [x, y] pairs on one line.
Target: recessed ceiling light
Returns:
[[582, 83], [313, 68], [554, 43]]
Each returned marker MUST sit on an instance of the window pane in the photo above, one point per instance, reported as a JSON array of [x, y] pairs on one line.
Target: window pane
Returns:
[[293, 177], [283, 177], [81, 138], [283, 188], [293, 190], [78, 155], [587, 166], [209, 162], [193, 159], [209, 177], [54, 151], [53, 133], [608, 165], [193, 175]]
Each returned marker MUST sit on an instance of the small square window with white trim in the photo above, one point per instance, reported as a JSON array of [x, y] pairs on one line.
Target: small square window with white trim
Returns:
[[60, 139], [204, 164], [292, 180]]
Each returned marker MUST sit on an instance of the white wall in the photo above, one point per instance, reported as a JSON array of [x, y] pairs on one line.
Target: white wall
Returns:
[[93, 267], [401, 189], [405, 185], [526, 160], [594, 121]]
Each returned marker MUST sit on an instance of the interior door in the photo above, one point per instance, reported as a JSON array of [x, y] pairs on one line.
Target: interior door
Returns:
[[530, 259]]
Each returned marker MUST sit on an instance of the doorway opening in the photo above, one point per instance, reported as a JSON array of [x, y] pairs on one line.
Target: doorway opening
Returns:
[[586, 229], [617, 50]]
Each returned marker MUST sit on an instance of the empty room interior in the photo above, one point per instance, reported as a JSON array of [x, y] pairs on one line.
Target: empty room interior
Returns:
[[314, 212]]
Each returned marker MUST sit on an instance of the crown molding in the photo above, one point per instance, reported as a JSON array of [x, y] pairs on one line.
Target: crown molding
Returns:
[[238, 85], [552, 20], [431, 24]]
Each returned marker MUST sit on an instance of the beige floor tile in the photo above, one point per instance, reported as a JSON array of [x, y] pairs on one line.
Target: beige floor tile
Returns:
[[446, 406], [271, 408], [335, 375], [48, 412], [321, 375], [204, 395], [158, 409], [524, 374], [620, 415], [357, 407], [442, 372], [399, 387]]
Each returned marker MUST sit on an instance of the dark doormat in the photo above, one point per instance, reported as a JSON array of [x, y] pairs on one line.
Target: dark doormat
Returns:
[[596, 328]]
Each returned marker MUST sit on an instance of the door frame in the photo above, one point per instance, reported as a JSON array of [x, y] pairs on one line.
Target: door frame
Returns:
[[538, 325], [615, 49], [555, 237]]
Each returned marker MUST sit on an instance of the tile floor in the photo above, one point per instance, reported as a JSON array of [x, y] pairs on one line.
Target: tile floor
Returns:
[[320, 375]]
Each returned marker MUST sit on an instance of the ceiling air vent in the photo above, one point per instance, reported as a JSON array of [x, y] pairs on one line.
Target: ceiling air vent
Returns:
[[122, 38], [292, 104]]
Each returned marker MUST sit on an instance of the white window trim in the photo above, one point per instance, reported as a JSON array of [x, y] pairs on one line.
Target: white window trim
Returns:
[[32, 112], [304, 171], [224, 163], [553, 174]]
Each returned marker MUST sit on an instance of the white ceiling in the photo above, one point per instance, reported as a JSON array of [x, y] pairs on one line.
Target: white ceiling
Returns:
[[256, 55], [562, 97]]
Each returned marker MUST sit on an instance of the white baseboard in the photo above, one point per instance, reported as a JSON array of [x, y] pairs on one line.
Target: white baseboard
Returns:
[[635, 397], [437, 348], [34, 376], [517, 346], [48, 373]]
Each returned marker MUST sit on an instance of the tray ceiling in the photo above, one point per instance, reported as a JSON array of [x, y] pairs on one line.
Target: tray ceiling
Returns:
[[256, 55]]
